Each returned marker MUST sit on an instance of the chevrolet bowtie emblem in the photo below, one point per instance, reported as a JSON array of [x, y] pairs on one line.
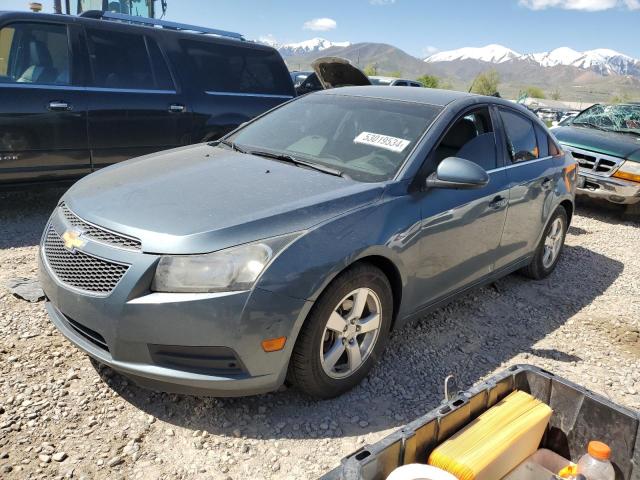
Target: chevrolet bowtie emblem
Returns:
[[73, 240]]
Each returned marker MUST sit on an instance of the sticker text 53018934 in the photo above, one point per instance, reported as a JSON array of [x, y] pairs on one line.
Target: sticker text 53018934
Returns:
[[382, 141]]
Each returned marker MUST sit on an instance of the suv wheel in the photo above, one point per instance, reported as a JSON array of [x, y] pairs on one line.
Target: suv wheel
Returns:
[[345, 333], [548, 251]]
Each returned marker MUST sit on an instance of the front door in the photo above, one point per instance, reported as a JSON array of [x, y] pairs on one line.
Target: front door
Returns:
[[461, 229], [43, 132], [134, 105]]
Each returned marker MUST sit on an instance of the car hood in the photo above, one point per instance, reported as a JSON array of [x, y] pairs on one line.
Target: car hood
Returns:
[[200, 199], [609, 143], [338, 72]]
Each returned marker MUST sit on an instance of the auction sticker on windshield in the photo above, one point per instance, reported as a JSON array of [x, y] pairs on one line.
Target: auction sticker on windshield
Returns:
[[382, 141]]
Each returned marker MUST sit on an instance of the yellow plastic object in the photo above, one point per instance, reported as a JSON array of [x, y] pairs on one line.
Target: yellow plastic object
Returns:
[[569, 471], [497, 441]]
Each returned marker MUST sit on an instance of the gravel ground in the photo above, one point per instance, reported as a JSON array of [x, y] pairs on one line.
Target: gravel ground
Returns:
[[63, 416]]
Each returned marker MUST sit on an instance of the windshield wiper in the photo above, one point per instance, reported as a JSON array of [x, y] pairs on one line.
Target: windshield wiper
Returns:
[[283, 157], [229, 144], [630, 132]]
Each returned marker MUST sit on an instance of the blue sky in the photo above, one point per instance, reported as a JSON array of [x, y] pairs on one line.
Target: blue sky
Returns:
[[421, 26]]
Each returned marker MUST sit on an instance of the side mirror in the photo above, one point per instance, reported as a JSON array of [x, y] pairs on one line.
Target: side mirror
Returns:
[[454, 172]]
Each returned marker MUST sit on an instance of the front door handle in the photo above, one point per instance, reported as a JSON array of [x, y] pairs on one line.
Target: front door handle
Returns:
[[176, 108], [59, 106], [546, 183], [498, 203]]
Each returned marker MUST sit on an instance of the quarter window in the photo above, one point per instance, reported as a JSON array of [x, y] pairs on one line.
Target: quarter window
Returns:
[[472, 138], [236, 69], [127, 60], [520, 136], [34, 53]]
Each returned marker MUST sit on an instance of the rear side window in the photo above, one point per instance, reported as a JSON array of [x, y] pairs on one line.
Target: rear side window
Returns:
[[520, 135], [126, 60], [34, 53], [236, 69]]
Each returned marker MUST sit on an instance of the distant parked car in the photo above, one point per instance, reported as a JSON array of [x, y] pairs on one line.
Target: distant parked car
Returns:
[[605, 140], [298, 77], [80, 93], [332, 72], [295, 245], [394, 82]]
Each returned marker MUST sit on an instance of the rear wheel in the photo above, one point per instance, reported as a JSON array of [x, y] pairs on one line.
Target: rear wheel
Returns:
[[548, 251], [345, 333]]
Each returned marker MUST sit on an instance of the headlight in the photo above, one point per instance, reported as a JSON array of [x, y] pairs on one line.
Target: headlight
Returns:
[[233, 269], [629, 171]]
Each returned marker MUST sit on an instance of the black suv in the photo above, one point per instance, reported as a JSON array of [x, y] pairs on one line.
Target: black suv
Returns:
[[80, 93]]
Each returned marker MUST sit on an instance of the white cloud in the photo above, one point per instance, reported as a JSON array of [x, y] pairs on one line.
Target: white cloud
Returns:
[[584, 5], [269, 39], [430, 50], [320, 24], [386, 2]]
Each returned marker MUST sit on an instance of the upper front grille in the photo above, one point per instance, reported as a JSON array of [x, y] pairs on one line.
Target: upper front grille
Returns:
[[80, 270], [100, 234], [593, 162]]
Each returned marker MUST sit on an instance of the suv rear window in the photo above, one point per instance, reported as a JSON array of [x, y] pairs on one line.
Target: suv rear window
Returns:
[[127, 60], [231, 69]]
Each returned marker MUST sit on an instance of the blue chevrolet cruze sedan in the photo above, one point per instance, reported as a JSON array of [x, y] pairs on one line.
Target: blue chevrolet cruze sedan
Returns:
[[291, 248]]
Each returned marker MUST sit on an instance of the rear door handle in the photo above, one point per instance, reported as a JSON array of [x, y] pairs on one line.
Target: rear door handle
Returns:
[[59, 106], [498, 202], [546, 184], [176, 108]]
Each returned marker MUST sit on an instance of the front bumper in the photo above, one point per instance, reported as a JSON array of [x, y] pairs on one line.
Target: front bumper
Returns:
[[185, 343], [613, 189]]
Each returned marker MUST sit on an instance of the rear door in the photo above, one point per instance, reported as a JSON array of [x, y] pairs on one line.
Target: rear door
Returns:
[[533, 175], [43, 134], [134, 106], [461, 229], [230, 82]]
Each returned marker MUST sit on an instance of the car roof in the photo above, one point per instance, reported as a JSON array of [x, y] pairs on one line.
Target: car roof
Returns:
[[77, 19], [431, 96]]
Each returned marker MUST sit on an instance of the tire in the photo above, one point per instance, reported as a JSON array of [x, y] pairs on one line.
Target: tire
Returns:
[[540, 267], [320, 340]]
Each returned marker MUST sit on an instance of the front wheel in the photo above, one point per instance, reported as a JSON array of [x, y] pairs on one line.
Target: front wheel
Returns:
[[548, 252], [345, 333]]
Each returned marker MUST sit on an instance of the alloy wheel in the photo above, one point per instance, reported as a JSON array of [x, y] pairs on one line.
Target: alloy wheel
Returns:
[[553, 243], [351, 333]]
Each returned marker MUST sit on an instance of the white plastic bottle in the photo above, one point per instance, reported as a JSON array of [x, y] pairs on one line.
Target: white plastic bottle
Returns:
[[595, 465]]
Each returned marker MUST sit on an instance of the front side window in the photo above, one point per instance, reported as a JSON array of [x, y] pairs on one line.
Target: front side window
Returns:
[[471, 137], [520, 135], [367, 139], [34, 53], [126, 61], [236, 69]]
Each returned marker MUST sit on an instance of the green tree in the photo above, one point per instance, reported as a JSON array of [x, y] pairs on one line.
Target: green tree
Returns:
[[555, 95], [534, 92], [370, 70], [623, 97], [395, 74], [486, 83], [429, 81]]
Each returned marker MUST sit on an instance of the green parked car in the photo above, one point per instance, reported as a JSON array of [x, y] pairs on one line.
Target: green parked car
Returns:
[[605, 140]]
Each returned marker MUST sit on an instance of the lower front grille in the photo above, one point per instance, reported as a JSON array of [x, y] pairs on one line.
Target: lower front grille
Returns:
[[88, 334], [204, 360], [80, 270]]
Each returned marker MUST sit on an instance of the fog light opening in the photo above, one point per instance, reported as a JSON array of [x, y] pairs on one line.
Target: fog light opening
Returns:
[[273, 344]]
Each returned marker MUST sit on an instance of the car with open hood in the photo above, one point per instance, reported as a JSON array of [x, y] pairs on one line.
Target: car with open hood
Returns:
[[331, 72], [290, 249], [605, 140]]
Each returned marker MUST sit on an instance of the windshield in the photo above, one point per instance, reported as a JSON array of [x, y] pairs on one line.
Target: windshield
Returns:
[[367, 139], [615, 118], [379, 81]]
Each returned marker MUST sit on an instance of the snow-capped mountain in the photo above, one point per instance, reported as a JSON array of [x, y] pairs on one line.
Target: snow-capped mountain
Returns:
[[603, 61], [302, 48], [491, 53]]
